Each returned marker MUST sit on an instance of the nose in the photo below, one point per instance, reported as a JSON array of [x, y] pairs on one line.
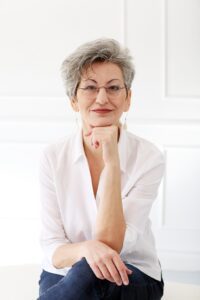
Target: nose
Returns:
[[102, 97]]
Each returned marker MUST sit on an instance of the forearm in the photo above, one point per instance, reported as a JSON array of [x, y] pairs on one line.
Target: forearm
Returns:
[[67, 255], [110, 224]]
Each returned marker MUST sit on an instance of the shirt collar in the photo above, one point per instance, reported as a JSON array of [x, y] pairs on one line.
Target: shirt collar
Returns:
[[77, 145], [78, 150]]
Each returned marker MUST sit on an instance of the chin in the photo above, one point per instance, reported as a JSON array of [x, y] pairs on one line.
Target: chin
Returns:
[[102, 123]]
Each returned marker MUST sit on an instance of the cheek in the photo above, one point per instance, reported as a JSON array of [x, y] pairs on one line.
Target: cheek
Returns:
[[120, 106], [126, 106], [84, 109]]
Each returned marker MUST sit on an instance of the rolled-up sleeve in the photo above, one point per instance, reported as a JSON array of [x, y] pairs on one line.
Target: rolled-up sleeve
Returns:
[[52, 231], [138, 201]]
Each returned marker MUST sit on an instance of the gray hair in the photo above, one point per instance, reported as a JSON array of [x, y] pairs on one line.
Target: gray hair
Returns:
[[100, 50]]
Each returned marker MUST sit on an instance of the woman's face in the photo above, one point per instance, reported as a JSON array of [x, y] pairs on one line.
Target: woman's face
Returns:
[[101, 107]]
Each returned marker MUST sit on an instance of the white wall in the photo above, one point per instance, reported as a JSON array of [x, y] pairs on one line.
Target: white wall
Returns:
[[164, 38]]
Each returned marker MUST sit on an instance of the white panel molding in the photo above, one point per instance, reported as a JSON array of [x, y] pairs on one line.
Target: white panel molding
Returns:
[[34, 132], [40, 47], [165, 97], [19, 193], [22, 236], [178, 247], [147, 40], [169, 133], [20, 107], [58, 109], [124, 16], [179, 260], [164, 197]]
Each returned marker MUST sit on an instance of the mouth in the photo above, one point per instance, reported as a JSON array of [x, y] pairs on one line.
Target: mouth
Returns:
[[101, 111]]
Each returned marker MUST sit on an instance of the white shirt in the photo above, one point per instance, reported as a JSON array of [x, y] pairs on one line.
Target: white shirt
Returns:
[[69, 208]]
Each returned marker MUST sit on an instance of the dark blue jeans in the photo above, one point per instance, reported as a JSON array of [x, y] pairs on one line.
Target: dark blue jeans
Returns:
[[80, 283]]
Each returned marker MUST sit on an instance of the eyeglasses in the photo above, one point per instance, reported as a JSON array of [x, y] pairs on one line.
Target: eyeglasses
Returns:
[[92, 90]]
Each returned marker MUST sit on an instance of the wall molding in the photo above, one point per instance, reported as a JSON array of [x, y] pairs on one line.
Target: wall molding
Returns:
[[166, 96], [179, 260]]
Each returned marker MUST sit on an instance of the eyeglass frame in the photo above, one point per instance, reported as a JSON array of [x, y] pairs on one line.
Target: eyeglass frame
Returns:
[[106, 88]]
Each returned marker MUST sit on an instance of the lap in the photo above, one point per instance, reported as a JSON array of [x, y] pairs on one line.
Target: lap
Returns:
[[48, 280], [79, 283], [141, 286]]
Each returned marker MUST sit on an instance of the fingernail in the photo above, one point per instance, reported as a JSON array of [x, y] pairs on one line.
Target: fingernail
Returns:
[[126, 282]]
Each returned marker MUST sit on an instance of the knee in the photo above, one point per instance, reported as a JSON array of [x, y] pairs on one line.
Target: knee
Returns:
[[82, 268], [82, 265], [137, 277]]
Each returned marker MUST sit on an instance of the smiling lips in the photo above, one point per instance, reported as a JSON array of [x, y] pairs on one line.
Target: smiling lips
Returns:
[[101, 110]]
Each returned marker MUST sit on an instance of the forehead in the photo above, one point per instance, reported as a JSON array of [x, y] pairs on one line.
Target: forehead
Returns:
[[102, 71]]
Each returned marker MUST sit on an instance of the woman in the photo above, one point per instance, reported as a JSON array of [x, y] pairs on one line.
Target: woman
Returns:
[[97, 189]]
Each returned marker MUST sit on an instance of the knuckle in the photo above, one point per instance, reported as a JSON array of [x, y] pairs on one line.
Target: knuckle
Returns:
[[93, 264], [113, 253], [123, 275], [105, 257], [100, 260], [122, 271], [115, 274]]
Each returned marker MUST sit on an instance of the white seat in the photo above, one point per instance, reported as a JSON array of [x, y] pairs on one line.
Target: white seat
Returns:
[[19, 282], [181, 291]]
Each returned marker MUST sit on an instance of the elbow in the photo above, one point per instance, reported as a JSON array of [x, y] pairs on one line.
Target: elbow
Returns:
[[57, 260], [56, 263]]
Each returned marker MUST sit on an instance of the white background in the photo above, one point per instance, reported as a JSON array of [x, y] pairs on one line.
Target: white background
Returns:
[[164, 39]]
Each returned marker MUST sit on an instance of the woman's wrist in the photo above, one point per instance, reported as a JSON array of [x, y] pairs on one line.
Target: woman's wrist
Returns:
[[113, 164], [112, 170]]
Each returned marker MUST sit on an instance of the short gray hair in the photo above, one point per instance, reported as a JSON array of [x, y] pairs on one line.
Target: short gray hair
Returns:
[[100, 50]]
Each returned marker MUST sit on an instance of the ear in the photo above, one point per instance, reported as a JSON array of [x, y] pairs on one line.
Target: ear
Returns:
[[74, 104], [127, 101]]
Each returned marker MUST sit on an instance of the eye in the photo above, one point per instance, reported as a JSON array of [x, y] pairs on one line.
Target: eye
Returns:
[[114, 88], [90, 88]]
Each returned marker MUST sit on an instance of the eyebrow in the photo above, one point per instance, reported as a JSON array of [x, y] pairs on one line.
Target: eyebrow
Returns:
[[96, 81]]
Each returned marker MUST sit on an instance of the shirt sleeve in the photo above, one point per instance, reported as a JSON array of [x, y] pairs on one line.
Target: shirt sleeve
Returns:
[[138, 202], [52, 231]]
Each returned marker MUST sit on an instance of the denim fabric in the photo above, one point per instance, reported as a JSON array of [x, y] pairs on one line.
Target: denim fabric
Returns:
[[80, 283]]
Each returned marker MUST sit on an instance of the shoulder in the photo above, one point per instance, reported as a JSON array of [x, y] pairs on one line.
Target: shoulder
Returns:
[[143, 155], [143, 147], [145, 161]]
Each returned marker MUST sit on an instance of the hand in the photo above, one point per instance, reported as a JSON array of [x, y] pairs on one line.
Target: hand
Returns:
[[105, 137], [105, 262]]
